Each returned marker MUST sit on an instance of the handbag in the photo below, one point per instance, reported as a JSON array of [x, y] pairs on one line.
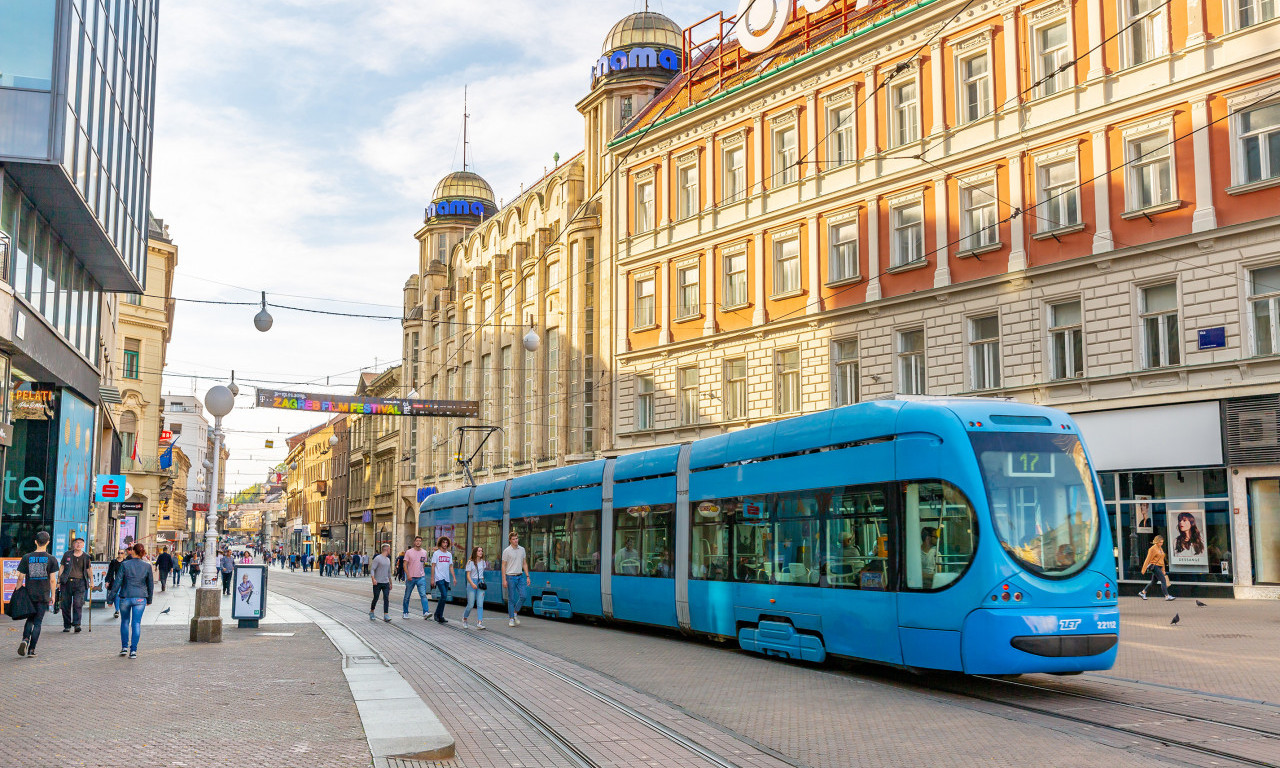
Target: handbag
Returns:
[[20, 606]]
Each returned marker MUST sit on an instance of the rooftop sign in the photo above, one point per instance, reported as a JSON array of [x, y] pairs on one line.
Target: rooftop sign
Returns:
[[636, 58], [380, 406], [762, 21], [457, 208]]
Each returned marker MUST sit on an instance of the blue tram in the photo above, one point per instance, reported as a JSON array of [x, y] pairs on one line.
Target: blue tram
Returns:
[[951, 534]]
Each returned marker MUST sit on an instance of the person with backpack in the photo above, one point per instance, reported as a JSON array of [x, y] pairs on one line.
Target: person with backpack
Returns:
[[38, 572]]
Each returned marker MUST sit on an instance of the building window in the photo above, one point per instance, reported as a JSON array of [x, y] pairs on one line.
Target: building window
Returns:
[[644, 206], [645, 302], [844, 372], [644, 402], [735, 389], [688, 181], [1150, 181], [1066, 341], [1264, 306], [786, 265], [1259, 130], [554, 399], [628, 108], [905, 111], [840, 125], [735, 280], [1252, 12], [132, 358], [911, 371], [1053, 53], [842, 251], [689, 302], [908, 234], [979, 227], [786, 154], [1160, 326], [1147, 37], [1058, 196], [442, 249], [786, 380], [984, 351], [975, 87], [687, 381], [735, 174]]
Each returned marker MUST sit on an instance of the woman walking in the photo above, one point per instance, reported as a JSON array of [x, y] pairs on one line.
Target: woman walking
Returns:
[[135, 590], [193, 567], [476, 567], [1156, 562]]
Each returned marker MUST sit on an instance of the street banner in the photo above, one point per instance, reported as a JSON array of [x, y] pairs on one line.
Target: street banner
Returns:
[[382, 406], [248, 591]]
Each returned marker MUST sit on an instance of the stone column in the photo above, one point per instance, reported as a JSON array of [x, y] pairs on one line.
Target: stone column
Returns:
[[1018, 226], [1205, 216], [942, 251], [662, 187], [873, 248], [1097, 67], [935, 70], [664, 302], [709, 176], [869, 109], [813, 166], [709, 302], [1101, 192], [759, 316], [756, 163], [814, 304], [1010, 35]]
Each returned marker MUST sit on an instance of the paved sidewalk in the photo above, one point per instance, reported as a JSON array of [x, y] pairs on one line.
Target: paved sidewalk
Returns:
[[252, 700]]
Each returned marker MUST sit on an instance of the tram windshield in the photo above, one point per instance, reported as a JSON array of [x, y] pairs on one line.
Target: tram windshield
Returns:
[[1042, 500]]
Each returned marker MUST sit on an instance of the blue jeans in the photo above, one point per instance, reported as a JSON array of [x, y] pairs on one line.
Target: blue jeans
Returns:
[[421, 584], [475, 597], [516, 587], [131, 609], [443, 597]]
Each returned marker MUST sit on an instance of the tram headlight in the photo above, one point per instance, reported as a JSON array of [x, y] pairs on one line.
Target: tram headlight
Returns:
[[1004, 596], [1099, 595], [1017, 597]]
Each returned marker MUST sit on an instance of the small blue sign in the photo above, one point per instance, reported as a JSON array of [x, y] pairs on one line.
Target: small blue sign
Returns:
[[423, 493], [109, 488], [1213, 338]]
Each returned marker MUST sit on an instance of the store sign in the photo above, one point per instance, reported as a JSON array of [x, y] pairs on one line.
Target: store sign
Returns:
[[199, 507], [132, 506], [378, 406], [636, 58], [32, 404], [110, 488], [423, 493], [761, 21], [457, 208], [165, 435]]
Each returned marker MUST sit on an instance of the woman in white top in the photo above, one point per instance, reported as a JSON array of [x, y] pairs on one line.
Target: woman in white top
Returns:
[[476, 567]]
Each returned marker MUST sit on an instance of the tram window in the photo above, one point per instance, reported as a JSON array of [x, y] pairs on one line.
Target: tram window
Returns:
[[857, 540], [642, 541], [488, 534], [584, 542], [658, 546], [535, 535], [940, 534], [709, 544], [558, 543], [795, 556]]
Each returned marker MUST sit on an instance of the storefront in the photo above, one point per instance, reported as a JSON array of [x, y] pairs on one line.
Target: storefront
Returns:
[[1253, 454]]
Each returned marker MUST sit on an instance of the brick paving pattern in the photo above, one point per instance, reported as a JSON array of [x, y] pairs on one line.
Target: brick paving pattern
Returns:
[[249, 701], [811, 716]]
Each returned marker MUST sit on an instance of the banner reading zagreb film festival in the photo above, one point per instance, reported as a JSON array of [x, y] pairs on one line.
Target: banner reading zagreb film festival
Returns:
[[248, 591], [376, 406]]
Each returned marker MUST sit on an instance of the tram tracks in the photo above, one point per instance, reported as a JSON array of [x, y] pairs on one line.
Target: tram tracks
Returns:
[[576, 755]]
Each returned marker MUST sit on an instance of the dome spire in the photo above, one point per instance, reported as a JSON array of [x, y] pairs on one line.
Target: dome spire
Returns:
[[465, 116]]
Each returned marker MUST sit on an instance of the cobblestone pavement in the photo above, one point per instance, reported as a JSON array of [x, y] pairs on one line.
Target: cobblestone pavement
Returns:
[[809, 716], [251, 700]]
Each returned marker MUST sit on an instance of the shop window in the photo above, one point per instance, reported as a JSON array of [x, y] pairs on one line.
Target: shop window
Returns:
[[1189, 508], [1264, 522], [644, 541], [1264, 309]]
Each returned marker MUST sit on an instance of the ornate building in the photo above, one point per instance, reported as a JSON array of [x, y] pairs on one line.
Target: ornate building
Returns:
[[374, 516]]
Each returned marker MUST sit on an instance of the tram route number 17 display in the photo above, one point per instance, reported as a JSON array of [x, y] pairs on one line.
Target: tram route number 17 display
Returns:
[[1029, 464]]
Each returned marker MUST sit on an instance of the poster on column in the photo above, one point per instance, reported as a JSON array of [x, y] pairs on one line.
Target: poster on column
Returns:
[[1187, 550]]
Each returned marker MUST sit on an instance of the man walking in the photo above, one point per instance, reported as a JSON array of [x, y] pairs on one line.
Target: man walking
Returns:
[[442, 575], [380, 572], [415, 576], [225, 566], [515, 577], [75, 575], [39, 572], [164, 563]]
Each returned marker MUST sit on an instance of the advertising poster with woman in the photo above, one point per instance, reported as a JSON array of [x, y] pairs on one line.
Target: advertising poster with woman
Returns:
[[1187, 550], [1142, 514]]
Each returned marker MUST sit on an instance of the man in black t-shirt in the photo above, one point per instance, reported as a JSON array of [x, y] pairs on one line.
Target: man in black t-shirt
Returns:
[[75, 576], [38, 571]]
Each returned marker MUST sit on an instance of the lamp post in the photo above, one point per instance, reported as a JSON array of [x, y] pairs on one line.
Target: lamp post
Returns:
[[206, 626]]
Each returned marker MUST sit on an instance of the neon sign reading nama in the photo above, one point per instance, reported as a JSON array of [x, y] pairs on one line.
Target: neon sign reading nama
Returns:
[[456, 208], [636, 58]]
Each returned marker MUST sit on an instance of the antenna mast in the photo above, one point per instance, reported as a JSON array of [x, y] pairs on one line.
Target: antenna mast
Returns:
[[464, 127]]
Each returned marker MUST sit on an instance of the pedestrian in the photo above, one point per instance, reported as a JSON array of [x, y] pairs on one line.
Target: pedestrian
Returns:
[[1156, 562], [400, 566], [442, 575], [177, 569], [164, 563], [515, 577], [74, 577], [193, 567], [135, 590], [415, 576], [380, 573], [38, 571], [476, 566], [112, 568], [293, 562], [225, 566]]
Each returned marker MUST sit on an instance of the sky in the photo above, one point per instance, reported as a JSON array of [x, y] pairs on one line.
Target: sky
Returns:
[[297, 143]]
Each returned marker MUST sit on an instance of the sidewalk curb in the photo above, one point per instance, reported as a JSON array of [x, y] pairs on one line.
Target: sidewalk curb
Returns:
[[397, 722]]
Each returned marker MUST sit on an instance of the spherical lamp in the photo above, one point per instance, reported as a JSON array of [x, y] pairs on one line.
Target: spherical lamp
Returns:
[[262, 321], [333, 441], [219, 400]]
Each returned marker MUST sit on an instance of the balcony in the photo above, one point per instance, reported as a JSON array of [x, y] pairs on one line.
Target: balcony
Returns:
[[149, 465]]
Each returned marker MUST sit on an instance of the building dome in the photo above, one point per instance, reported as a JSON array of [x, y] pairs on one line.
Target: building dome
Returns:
[[463, 184], [644, 29]]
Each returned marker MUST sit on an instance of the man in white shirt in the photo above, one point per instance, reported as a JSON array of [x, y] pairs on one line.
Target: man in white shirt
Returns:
[[442, 574], [515, 577]]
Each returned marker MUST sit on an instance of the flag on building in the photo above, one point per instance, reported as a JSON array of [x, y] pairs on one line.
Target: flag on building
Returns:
[[166, 458]]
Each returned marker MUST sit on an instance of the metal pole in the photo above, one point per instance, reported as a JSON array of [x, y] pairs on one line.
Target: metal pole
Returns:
[[209, 569]]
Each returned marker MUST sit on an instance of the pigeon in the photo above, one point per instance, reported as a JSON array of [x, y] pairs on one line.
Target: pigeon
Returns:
[[166, 610], [1200, 604], [1176, 619]]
